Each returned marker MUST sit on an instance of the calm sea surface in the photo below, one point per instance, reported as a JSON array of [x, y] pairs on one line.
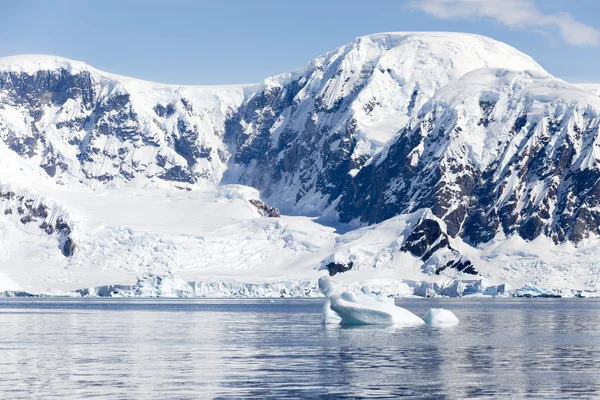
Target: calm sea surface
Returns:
[[182, 349]]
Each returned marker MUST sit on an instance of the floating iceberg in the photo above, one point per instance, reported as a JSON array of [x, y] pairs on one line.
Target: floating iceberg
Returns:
[[327, 288], [346, 308], [440, 317], [359, 309], [330, 316]]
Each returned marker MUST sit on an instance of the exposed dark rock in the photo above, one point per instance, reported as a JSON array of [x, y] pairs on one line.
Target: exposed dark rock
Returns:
[[26, 219], [62, 226], [428, 238], [164, 111], [460, 264], [264, 209], [68, 247], [177, 174], [336, 268], [425, 239], [7, 195], [28, 211], [46, 227], [186, 144]]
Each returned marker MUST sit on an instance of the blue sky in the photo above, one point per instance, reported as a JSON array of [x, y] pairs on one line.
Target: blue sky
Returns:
[[237, 41]]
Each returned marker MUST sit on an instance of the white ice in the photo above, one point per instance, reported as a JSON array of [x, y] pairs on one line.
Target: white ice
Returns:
[[168, 285], [440, 318], [330, 316], [7, 284], [329, 290], [360, 309]]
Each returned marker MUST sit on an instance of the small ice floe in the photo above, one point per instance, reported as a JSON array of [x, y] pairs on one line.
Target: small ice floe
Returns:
[[359, 309], [440, 318]]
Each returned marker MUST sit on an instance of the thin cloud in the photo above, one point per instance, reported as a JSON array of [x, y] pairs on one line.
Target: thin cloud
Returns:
[[517, 14]]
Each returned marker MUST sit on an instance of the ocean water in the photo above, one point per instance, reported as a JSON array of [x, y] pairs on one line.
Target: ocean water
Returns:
[[182, 349]]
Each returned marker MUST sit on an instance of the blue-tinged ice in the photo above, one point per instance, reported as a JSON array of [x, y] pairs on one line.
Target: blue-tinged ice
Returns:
[[361, 309]]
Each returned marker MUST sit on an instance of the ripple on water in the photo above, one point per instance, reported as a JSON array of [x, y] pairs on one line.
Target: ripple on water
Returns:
[[232, 348]]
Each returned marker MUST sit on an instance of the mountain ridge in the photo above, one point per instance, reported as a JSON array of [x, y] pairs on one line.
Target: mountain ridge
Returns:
[[458, 138]]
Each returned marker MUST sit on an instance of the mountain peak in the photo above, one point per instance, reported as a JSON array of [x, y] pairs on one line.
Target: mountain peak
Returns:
[[455, 46]]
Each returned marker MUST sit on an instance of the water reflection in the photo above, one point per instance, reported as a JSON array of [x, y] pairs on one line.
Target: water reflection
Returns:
[[233, 349]]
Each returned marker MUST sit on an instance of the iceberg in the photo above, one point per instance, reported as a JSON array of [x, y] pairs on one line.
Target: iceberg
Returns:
[[360, 309], [330, 316], [327, 288], [347, 308], [440, 318]]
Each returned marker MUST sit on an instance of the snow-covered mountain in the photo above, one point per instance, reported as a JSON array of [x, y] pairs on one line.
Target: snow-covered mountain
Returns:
[[305, 135], [497, 151], [442, 155], [83, 125]]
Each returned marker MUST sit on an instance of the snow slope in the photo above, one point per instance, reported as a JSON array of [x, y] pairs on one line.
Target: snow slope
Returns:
[[223, 247], [318, 126], [592, 87], [199, 235]]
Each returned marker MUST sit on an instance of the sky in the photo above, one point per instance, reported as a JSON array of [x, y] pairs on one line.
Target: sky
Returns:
[[245, 41]]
